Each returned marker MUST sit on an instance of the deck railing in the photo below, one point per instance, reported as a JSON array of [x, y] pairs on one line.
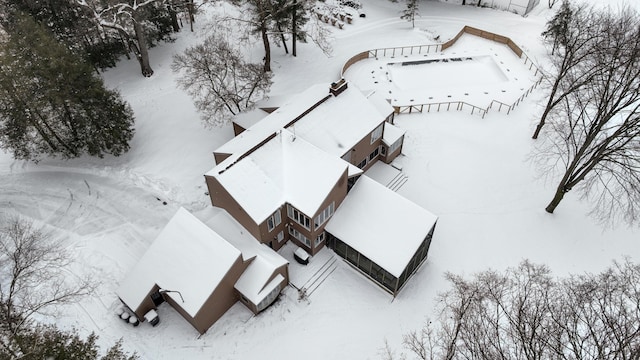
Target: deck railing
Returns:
[[425, 49]]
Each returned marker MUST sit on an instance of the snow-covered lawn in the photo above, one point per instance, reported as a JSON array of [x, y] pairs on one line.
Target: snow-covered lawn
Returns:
[[473, 173]]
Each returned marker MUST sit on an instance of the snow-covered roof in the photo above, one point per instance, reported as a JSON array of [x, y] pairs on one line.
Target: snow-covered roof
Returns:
[[380, 103], [339, 123], [381, 224], [285, 169], [253, 282], [391, 134], [230, 229], [257, 133], [249, 118], [187, 256]]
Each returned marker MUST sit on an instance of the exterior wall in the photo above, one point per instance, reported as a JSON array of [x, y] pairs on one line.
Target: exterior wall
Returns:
[[269, 237], [222, 298], [284, 271], [376, 273], [336, 195], [237, 129], [363, 148], [219, 157], [390, 157], [417, 260], [221, 198], [370, 269], [145, 306]]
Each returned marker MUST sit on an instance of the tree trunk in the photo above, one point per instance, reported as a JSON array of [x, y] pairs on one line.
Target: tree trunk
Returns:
[[192, 18], [143, 52], [294, 30], [556, 199], [542, 121], [267, 48], [284, 41], [174, 18]]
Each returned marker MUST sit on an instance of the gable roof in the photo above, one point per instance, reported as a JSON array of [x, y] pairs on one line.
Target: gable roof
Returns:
[[187, 256], [254, 283], [389, 227], [273, 122], [284, 169], [339, 123]]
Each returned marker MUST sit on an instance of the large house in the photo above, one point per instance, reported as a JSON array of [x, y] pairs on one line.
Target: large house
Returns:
[[287, 177], [296, 174]]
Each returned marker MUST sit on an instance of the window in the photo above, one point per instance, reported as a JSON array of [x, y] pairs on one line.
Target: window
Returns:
[[363, 163], [271, 297], [296, 234], [274, 220], [383, 150], [324, 215], [395, 146], [280, 236], [373, 154], [319, 240], [377, 133], [298, 217]]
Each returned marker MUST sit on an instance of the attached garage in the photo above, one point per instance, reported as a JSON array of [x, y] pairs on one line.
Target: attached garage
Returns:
[[382, 234]]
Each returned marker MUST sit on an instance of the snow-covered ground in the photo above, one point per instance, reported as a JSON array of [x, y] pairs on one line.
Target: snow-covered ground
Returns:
[[473, 173]]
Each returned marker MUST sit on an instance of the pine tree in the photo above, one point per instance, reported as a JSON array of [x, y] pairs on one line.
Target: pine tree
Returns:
[[50, 101]]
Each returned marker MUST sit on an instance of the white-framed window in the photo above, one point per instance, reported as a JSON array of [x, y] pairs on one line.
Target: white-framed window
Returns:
[[395, 146], [362, 163], [383, 150], [374, 153], [280, 236], [324, 215], [319, 240], [377, 133], [274, 220], [298, 217], [296, 234]]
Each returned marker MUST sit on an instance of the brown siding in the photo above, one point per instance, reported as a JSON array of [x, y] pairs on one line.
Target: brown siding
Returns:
[[265, 235], [284, 271], [220, 157], [146, 305], [336, 195], [222, 298], [237, 129], [364, 147], [392, 156], [221, 198]]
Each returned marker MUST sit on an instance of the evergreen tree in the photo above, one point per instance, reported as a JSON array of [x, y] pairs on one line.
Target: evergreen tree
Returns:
[[74, 29], [50, 101]]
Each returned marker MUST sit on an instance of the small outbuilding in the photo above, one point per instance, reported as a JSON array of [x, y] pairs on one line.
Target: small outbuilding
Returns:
[[381, 233]]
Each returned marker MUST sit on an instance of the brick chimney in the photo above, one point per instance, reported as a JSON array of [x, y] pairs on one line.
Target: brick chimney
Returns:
[[338, 87]]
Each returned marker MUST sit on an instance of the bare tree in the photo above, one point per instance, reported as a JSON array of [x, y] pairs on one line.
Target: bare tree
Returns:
[[523, 313], [595, 136], [571, 35], [221, 82], [33, 277]]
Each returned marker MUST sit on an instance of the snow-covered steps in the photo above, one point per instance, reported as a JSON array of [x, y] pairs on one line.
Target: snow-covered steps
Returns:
[[387, 175]]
